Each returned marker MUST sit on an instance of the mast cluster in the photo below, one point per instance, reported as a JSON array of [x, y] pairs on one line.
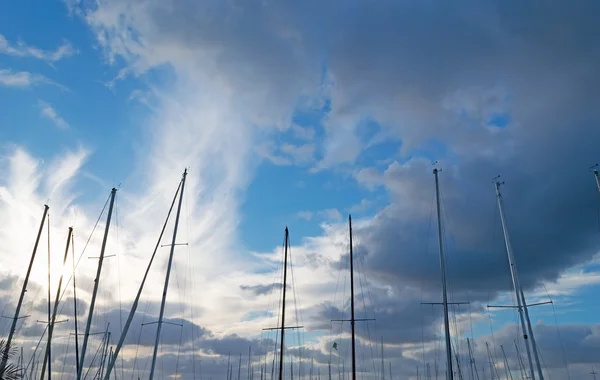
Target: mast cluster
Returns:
[[109, 357]]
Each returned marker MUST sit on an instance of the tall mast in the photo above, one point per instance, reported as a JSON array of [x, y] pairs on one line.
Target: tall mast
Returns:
[[96, 284], [164, 295], [48, 356], [13, 326], [49, 343], [287, 234], [521, 304], [228, 365], [449, 372], [114, 355], [492, 364], [521, 364], [474, 373], [75, 306], [352, 300], [508, 372], [382, 364]]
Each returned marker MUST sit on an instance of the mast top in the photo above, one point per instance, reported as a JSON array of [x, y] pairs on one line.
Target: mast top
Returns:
[[497, 183]]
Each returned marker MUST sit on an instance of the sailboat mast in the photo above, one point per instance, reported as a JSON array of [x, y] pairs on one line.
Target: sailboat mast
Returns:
[[287, 234], [492, 364], [113, 357], [521, 305], [166, 286], [382, 363], [352, 300], [75, 306], [96, 284], [13, 326], [520, 359], [48, 356], [506, 363], [449, 371]]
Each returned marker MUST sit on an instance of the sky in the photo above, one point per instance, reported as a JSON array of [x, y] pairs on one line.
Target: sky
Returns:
[[298, 114]]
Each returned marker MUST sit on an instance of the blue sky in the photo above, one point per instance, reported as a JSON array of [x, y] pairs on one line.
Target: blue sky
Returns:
[[297, 115]]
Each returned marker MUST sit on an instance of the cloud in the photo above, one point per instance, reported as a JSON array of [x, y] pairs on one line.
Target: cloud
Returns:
[[331, 214], [23, 50], [10, 78], [261, 290], [287, 154], [306, 215], [48, 112], [303, 133]]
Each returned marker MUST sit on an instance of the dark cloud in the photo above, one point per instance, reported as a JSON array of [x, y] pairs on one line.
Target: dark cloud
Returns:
[[261, 290], [435, 77]]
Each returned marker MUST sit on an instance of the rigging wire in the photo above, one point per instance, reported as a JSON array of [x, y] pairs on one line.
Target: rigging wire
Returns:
[[425, 261], [277, 278], [359, 266], [447, 230], [62, 371], [298, 310], [118, 224], [562, 347], [339, 271], [191, 285]]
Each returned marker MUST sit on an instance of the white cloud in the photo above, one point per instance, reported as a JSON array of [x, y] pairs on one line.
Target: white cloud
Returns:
[[10, 78], [331, 214], [306, 215], [20, 49], [303, 133], [363, 206], [286, 153], [50, 113]]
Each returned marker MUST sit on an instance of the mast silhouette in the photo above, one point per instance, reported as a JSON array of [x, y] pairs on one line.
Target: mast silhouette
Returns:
[[449, 371], [115, 354], [166, 287], [287, 236], [521, 303], [283, 327], [75, 306], [352, 319], [352, 301], [48, 356], [13, 326], [96, 284]]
